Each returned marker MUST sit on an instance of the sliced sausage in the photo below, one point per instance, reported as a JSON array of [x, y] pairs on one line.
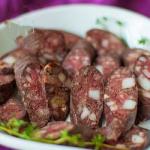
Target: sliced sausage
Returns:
[[54, 129], [81, 55], [137, 138], [106, 65], [58, 103], [142, 71], [58, 94], [8, 60], [13, 108], [46, 44], [7, 84], [130, 56], [70, 39], [31, 85], [7, 79], [105, 42], [5, 68], [54, 75], [120, 101], [87, 97]]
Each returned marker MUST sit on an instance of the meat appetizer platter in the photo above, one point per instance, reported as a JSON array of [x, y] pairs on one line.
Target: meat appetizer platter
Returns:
[[90, 91]]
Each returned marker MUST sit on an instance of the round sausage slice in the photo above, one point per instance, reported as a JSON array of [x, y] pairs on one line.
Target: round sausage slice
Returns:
[[136, 138], [53, 130], [8, 60], [120, 103], [106, 65], [31, 86], [105, 42], [46, 44], [130, 56], [142, 71], [81, 55], [87, 97], [13, 108]]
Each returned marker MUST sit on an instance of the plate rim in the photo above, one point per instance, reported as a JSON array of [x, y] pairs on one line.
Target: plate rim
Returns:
[[10, 139]]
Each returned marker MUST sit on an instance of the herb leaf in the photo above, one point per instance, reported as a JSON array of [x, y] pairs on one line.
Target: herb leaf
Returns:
[[120, 23], [144, 41], [98, 141]]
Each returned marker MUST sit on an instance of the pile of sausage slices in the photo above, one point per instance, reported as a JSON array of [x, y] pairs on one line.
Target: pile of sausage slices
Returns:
[[97, 81]]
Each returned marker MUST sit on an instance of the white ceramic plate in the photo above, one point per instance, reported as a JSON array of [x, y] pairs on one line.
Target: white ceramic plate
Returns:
[[132, 27]]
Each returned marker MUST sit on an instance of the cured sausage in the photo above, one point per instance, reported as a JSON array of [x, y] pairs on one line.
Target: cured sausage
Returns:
[[58, 94], [7, 84], [120, 103], [70, 39], [5, 68], [59, 103], [8, 60], [105, 42], [106, 65], [87, 97], [136, 138], [53, 130], [142, 71], [46, 44], [30, 83], [130, 56], [7, 80], [81, 55], [13, 108], [54, 75]]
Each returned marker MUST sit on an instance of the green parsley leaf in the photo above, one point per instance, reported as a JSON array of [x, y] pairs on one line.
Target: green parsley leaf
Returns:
[[144, 41], [105, 18], [102, 21], [120, 23], [98, 141]]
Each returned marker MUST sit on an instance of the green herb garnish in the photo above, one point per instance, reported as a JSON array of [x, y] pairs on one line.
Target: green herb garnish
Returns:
[[25, 130], [144, 41], [120, 23]]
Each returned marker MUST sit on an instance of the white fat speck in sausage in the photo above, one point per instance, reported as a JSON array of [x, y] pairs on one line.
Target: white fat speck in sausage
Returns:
[[142, 59], [146, 73], [129, 104], [112, 105], [128, 83], [92, 117], [105, 43], [94, 94], [106, 96], [62, 77], [137, 139], [85, 112], [146, 93], [9, 60], [144, 82], [99, 68]]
